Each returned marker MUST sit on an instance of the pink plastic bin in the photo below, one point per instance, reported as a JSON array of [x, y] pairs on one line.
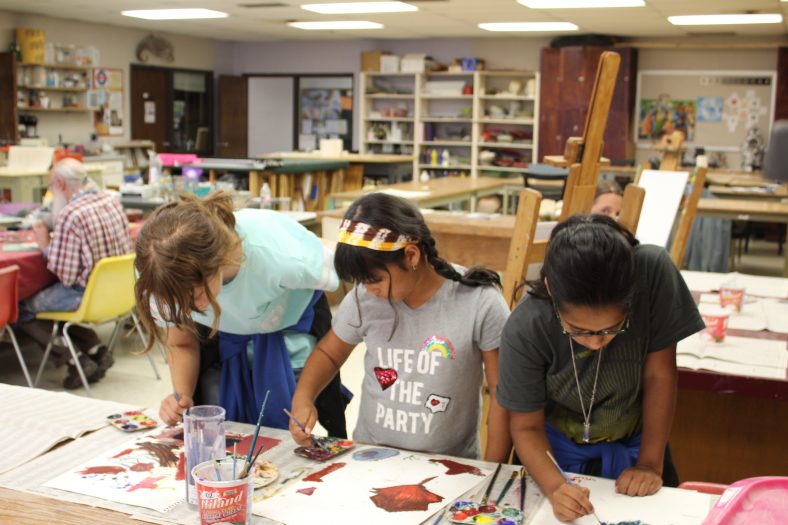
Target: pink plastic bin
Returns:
[[176, 159], [761, 501]]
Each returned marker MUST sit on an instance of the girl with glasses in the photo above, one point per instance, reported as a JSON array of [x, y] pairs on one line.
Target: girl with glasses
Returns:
[[431, 331], [588, 363]]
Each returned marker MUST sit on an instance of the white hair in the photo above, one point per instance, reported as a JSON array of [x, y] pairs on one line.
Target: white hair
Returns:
[[72, 172]]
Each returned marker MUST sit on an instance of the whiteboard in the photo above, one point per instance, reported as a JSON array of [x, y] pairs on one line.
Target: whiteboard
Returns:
[[714, 108], [663, 196]]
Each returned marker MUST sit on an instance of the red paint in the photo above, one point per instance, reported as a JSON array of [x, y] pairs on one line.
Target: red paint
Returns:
[[242, 447], [103, 470], [147, 483], [180, 474], [386, 376], [125, 452], [307, 491], [405, 498], [459, 516], [455, 467], [434, 402], [320, 474]]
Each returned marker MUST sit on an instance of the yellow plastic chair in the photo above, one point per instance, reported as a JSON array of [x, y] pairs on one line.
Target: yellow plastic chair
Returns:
[[108, 297]]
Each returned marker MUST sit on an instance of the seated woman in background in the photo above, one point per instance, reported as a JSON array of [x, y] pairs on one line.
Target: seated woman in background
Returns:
[[608, 199]]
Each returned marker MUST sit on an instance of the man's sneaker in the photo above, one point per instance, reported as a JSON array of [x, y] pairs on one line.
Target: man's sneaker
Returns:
[[103, 358], [91, 369]]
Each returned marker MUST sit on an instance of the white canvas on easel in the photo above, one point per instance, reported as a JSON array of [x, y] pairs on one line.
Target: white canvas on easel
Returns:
[[663, 196]]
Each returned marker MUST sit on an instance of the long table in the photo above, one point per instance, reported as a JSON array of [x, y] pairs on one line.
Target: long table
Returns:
[[394, 167], [437, 192]]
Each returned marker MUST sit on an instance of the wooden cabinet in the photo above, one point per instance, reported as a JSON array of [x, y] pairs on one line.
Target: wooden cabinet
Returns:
[[567, 81], [9, 128]]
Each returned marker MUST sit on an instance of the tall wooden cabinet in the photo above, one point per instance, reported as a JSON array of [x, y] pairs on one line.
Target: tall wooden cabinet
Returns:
[[567, 80], [9, 129]]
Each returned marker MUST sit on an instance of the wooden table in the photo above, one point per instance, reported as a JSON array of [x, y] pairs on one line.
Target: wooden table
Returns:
[[33, 273], [437, 192], [746, 210], [393, 167], [750, 192], [30, 186]]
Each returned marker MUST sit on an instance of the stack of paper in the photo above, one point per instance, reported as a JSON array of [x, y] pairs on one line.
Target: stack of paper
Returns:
[[742, 356]]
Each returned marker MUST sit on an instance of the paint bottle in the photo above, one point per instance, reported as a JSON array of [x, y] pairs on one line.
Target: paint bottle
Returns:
[[425, 176], [434, 157], [265, 197]]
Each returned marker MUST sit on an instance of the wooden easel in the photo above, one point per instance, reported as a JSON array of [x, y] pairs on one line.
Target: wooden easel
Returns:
[[671, 147], [582, 154]]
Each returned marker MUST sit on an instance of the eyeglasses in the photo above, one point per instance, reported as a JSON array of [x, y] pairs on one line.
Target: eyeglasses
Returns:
[[586, 333]]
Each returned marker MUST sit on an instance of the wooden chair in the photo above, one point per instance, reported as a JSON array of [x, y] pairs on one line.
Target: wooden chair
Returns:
[[687, 217]]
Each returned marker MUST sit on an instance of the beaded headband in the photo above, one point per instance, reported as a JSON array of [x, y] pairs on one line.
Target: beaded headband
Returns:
[[365, 235]]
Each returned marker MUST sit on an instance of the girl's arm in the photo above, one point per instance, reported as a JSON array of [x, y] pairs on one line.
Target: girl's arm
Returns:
[[329, 355], [659, 403], [530, 441], [499, 440], [184, 360]]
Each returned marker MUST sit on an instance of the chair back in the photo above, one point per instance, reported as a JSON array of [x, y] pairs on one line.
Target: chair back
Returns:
[[9, 276], [110, 290]]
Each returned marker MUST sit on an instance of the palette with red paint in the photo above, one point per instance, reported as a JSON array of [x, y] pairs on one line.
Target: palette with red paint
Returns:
[[471, 512], [131, 421], [325, 448]]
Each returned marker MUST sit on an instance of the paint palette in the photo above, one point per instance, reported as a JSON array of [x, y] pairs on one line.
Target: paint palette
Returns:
[[325, 448], [131, 421], [483, 514], [265, 473]]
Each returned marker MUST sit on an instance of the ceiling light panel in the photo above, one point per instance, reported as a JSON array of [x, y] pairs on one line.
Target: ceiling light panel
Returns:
[[528, 26], [718, 20], [335, 25], [174, 14], [580, 4], [347, 8]]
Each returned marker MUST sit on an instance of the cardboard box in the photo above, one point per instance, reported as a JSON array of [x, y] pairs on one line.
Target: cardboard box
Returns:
[[389, 64], [417, 63], [31, 43], [370, 60]]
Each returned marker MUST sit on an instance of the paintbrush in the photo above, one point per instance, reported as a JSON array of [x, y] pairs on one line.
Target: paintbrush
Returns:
[[506, 487], [490, 486], [234, 459], [300, 425], [523, 486], [216, 469], [256, 433], [568, 479]]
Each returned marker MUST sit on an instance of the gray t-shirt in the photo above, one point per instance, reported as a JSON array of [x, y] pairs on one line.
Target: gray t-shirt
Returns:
[[536, 366], [421, 388]]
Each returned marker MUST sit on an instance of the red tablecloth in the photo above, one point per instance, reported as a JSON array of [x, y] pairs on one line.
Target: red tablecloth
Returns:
[[33, 273]]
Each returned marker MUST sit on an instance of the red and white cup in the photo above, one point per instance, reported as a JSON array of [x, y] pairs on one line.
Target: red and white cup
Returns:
[[223, 499], [732, 297], [716, 325]]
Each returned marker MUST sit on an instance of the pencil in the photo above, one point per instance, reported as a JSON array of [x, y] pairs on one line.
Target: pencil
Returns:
[[490, 486], [506, 487], [568, 480], [523, 486]]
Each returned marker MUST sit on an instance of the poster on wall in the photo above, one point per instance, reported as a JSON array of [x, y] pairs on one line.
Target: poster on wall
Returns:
[[106, 99], [663, 116], [325, 113]]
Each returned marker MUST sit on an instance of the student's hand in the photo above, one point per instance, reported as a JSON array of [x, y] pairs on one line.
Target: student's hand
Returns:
[[571, 502], [171, 411], [639, 480], [41, 234], [306, 413]]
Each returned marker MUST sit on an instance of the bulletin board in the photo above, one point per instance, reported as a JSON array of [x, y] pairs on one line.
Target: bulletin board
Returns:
[[714, 109], [106, 100]]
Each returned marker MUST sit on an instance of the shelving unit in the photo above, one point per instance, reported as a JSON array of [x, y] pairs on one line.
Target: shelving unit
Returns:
[[491, 129], [54, 88]]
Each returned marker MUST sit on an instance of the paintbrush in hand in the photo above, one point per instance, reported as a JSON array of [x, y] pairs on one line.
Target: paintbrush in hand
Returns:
[[523, 486], [490, 486], [568, 480], [300, 425]]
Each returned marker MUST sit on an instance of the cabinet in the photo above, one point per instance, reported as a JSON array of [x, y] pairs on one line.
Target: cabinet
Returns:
[[567, 81], [454, 123]]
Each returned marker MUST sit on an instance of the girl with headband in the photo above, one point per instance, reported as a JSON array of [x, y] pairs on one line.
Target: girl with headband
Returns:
[[588, 363], [431, 332], [240, 297]]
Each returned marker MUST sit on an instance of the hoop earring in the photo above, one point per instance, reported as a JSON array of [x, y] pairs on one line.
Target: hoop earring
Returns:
[[413, 267]]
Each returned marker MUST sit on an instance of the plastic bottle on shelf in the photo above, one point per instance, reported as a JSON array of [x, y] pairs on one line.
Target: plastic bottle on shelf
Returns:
[[265, 197], [434, 157], [445, 157], [154, 172], [425, 176]]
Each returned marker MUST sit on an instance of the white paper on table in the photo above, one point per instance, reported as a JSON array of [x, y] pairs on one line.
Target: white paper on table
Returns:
[[41, 419], [348, 491], [755, 285], [668, 506], [405, 194], [703, 281], [751, 317], [736, 356], [776, 315]]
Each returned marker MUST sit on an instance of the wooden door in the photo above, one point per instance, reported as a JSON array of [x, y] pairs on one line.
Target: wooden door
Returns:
[[150, 106], [551, 142], [781, 104], [8, 110], [233, 123]]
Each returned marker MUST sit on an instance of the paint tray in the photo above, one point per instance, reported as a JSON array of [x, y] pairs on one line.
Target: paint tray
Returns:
[[475, 513], [131, 421], [325, 448], [762, 500]]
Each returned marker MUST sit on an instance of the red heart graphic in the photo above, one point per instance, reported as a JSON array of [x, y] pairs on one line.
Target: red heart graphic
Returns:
[[434, 402], [386, 376]]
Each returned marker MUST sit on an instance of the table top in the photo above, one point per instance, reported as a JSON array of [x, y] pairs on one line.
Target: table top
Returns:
[[8, 171], [439, 188], [758, 209], [360, 158], [33, 273], [750, 192], [276, 166]]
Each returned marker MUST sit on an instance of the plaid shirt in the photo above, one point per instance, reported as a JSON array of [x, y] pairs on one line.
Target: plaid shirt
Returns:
[[90, 227]]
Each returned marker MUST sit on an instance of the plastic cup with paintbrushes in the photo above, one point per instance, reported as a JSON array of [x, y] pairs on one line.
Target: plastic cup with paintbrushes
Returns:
[[316, 442], [569, 480]]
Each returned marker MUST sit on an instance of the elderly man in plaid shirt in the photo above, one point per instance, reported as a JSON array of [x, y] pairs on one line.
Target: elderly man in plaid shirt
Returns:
[[88, 225]]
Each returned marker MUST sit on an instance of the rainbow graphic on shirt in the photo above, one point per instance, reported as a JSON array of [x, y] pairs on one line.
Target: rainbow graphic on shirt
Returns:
[[439, 344]]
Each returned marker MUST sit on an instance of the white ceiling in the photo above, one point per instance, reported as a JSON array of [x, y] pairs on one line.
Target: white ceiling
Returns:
[[435, 18]]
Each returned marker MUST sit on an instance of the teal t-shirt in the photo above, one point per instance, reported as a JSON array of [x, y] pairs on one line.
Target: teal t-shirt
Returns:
[[284, 263]]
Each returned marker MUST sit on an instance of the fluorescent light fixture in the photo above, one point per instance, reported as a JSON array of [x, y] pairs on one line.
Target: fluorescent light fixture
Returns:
[[346, 8], [580, 4], [339, 24], [174, 14], [528, 26], [720, 20]]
